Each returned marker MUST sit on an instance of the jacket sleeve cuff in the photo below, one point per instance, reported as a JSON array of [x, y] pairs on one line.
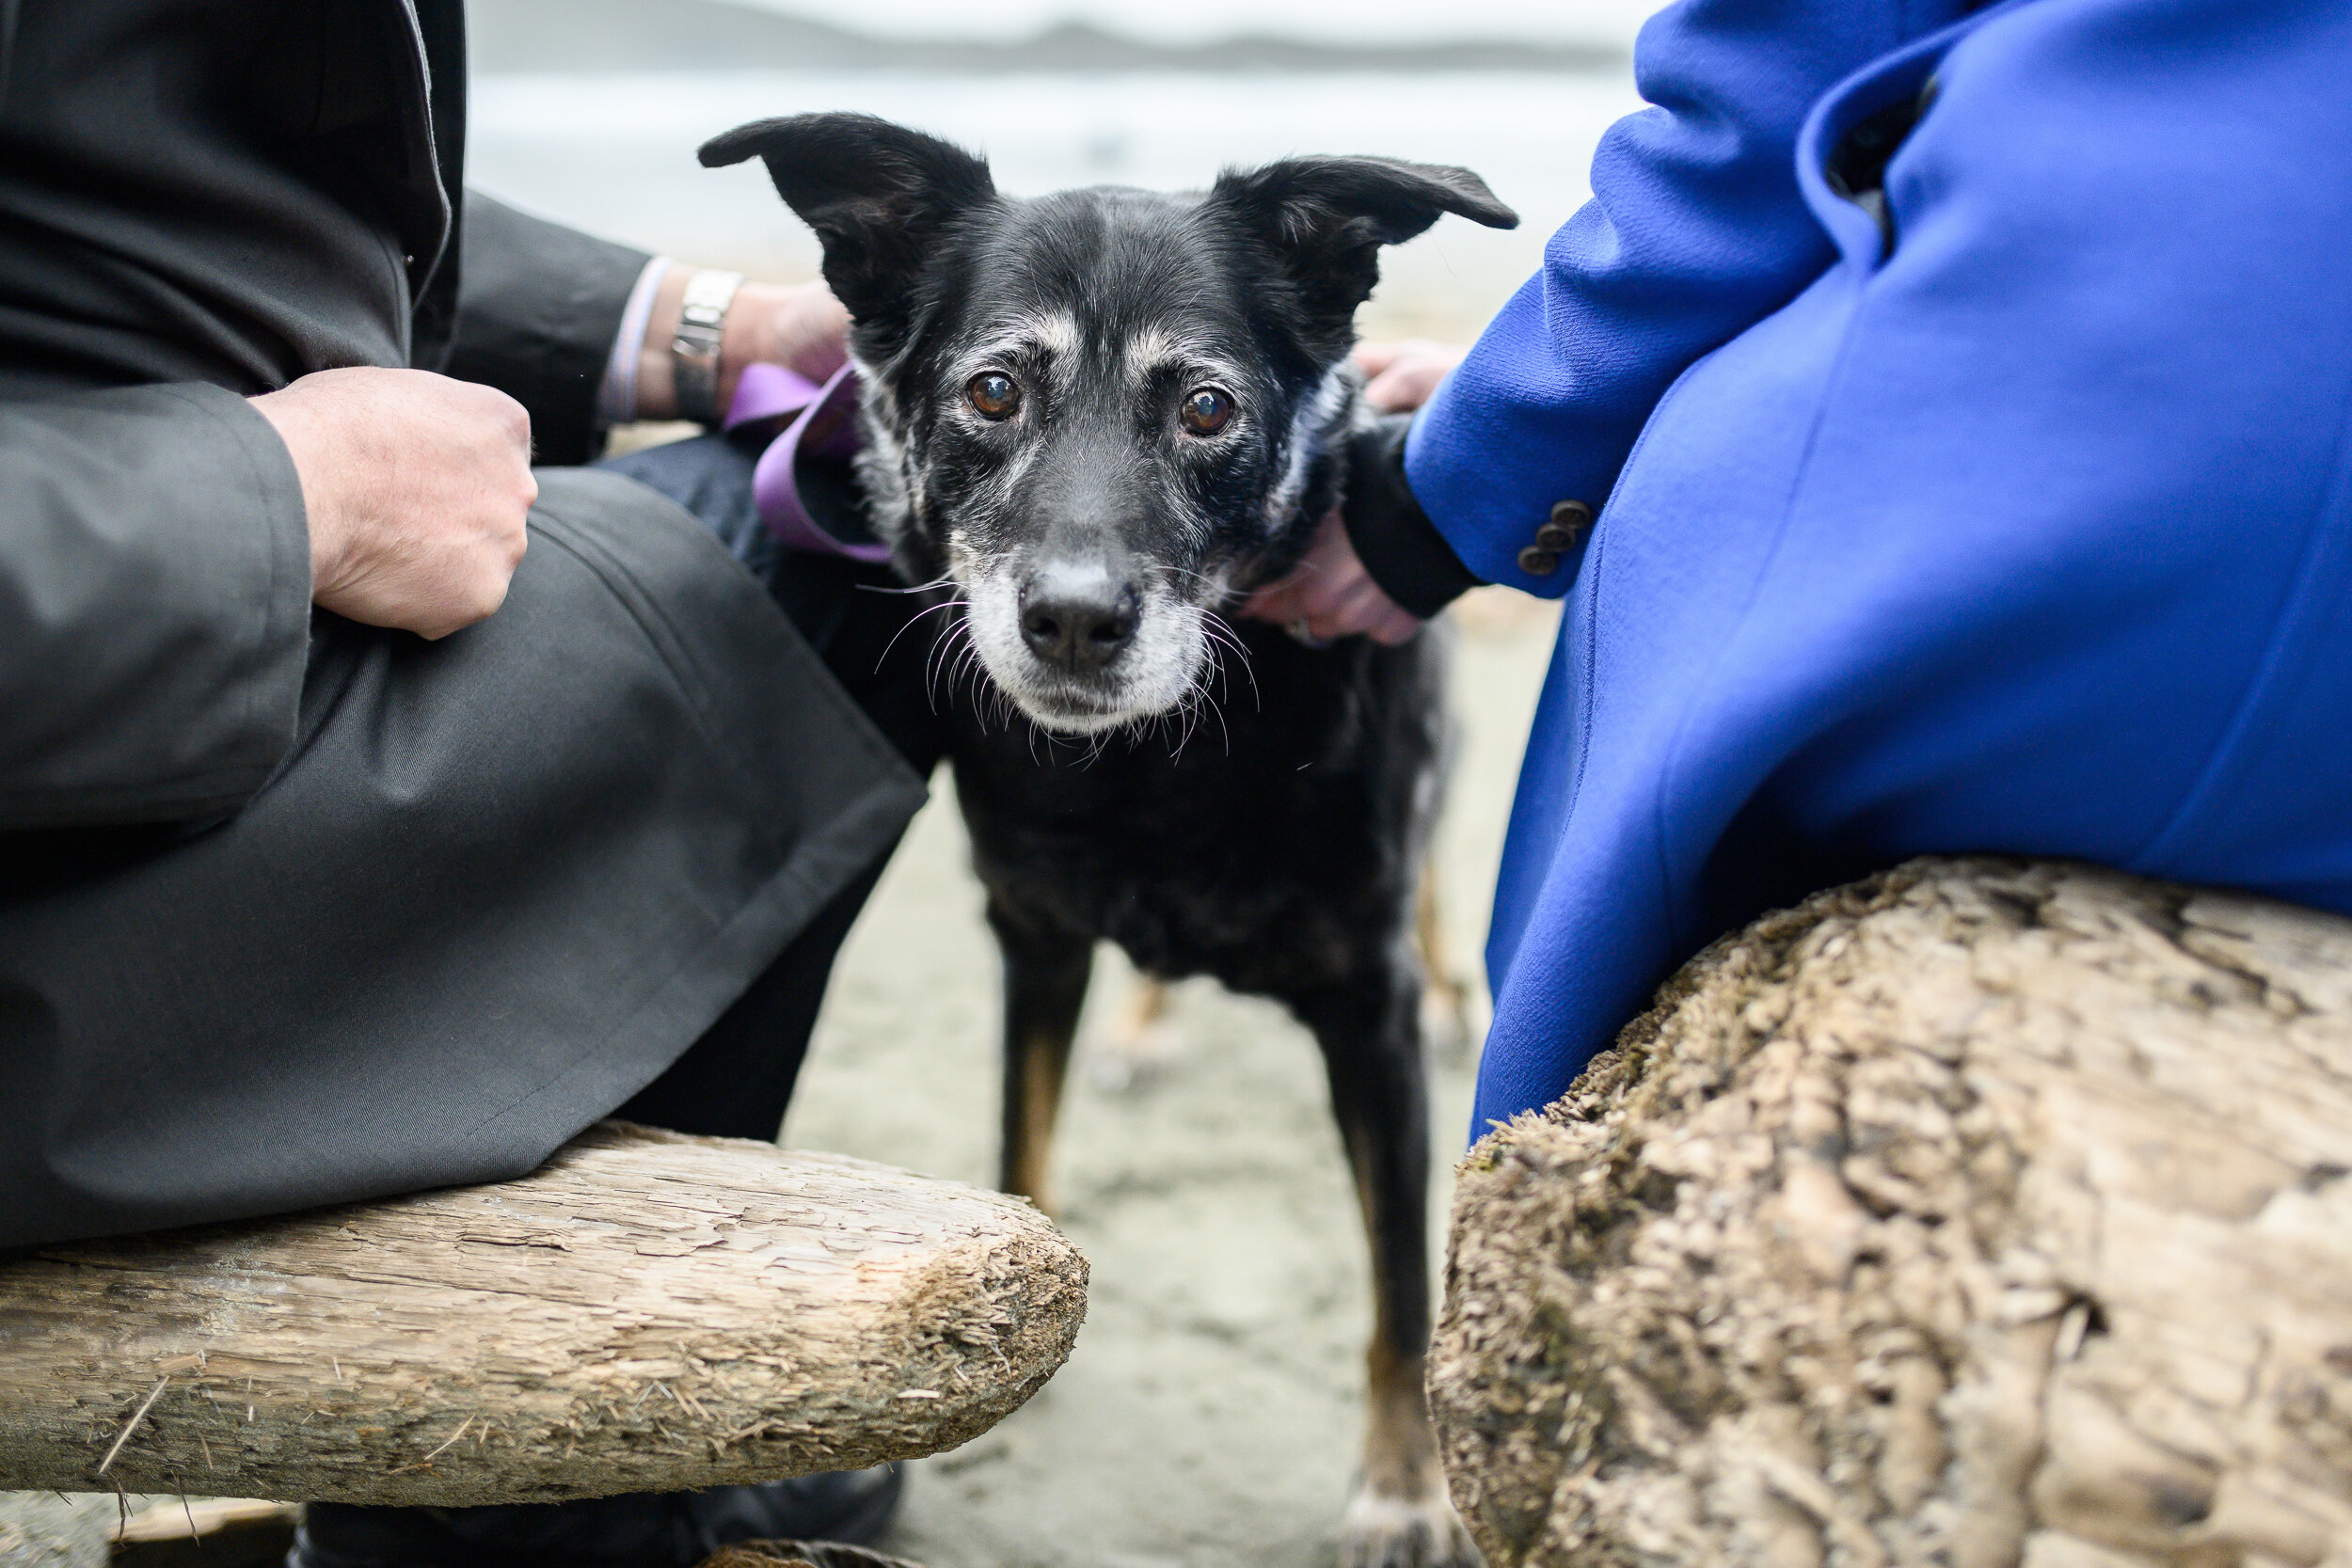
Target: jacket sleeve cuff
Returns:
[[155, 606], [1393, 537], [538, 307], [1511, 462]]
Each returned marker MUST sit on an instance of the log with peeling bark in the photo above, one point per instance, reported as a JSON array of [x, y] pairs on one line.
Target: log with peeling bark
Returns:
[[799, 1554], [645, 1312], [1985, 1213]]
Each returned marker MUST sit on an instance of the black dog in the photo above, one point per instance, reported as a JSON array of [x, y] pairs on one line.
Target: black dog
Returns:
[[1093, 421]]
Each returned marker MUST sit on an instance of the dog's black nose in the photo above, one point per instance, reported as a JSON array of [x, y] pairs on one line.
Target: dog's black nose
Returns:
[[1078, 626]]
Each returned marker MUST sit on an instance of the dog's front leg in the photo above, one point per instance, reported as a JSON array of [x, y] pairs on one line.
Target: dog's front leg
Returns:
[[1448, 1001], [1045, 986], [1370, 1032]]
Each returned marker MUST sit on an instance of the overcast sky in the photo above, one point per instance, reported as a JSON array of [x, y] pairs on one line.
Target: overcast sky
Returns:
[[1577, 20]]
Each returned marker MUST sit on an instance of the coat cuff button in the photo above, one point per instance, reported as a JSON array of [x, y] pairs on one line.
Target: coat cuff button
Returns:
[[1569, 519]]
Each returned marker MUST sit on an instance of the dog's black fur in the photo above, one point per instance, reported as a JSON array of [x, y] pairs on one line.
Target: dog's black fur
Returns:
[[1219, 800]]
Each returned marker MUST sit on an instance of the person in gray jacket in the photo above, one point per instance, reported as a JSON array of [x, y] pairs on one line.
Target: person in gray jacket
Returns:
[[376, 811]]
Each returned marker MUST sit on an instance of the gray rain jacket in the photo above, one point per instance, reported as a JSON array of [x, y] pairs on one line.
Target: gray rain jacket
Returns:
[[295, 910]]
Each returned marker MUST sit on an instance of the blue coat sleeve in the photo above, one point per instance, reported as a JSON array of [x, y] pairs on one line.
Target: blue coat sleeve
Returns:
[[1696, 231]]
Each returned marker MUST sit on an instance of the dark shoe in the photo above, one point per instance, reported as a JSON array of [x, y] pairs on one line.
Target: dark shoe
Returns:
[[654, 1530]]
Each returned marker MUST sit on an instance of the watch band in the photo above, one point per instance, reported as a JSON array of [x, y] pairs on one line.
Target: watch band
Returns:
[[702, 320]]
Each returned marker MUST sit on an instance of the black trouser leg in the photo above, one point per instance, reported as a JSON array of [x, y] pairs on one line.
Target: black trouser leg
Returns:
[[735, 1081]]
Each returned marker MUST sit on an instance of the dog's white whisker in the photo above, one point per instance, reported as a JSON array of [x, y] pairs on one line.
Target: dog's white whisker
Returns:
[[931, 586], [1206, 699], [939, 676], [928, 610], [937, 655], [954, 668], [1187, 717], [1224, 631]]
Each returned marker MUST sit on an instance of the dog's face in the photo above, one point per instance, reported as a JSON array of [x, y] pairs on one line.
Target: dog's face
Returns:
[[1103, 413]]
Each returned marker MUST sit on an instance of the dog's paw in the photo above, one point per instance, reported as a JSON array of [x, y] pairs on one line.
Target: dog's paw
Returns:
[[1454, 1019], [1404, 1532], [1140, 1042]]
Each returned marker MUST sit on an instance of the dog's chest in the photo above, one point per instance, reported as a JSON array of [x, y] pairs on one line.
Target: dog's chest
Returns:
[[1266, 849]]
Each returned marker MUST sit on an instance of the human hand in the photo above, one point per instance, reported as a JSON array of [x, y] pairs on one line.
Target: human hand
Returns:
[[416, 486], [1328, 595], [799, 326], [1400, 377]]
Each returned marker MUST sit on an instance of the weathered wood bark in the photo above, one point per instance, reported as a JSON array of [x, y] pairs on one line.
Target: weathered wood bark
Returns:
[[648, 1312], [1985, 1213], [800, 1554]]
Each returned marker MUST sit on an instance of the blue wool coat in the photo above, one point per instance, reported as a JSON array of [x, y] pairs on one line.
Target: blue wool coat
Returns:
[[2029, 531]]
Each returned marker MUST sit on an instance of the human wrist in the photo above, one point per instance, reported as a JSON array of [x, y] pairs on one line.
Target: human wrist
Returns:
[[290, 415], [799, 326], [660, 392], [1402, 550], [705, 308], [656, 381], [747, 336], [616, 390]]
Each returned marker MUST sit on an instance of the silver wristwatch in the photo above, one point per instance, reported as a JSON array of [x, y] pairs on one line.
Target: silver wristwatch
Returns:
[[702, 320]]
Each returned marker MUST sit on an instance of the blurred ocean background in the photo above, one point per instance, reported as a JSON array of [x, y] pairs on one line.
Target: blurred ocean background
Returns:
[[590, 110]]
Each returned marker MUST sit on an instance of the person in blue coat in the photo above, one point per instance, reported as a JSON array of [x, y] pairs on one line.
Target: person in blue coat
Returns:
[[1959, 399]]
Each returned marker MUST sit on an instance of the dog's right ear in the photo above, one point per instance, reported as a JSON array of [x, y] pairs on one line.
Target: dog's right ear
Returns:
[[876, 194]]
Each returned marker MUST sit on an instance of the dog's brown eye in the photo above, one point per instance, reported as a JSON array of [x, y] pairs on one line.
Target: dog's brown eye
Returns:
[[1205, 410], [994, 394]]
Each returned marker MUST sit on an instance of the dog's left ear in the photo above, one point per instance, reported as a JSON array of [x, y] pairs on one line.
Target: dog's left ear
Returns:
[[1326, 218], [877, 195]]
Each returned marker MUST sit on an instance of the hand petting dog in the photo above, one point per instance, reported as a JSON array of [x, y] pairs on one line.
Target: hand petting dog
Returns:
[[1329, 594], [1400, 377]]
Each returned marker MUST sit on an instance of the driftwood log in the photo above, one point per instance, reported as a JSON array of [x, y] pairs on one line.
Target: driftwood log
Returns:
[[1985, 1213], [799, 1554], [645, 1312]]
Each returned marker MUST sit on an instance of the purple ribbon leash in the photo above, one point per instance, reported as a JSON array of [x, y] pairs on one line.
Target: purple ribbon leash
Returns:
[[824, 423]]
